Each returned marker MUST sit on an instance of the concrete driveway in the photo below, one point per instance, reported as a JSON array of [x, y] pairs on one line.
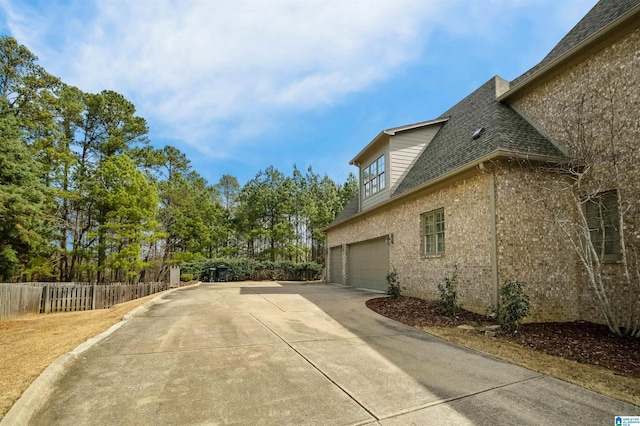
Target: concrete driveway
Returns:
[[273, 354]]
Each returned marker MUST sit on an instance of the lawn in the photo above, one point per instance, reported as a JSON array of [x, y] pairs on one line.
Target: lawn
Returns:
[[30, 343]]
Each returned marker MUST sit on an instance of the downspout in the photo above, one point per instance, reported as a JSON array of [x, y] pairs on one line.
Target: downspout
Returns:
[[493, 232]]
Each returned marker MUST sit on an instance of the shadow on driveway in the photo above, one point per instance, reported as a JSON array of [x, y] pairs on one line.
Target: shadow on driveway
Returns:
[[298, 353]]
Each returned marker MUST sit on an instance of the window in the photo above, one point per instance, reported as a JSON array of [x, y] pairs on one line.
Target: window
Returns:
[[433, 232], [373, 177], [603, 222]]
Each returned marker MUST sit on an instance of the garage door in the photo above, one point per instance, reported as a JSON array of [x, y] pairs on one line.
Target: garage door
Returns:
[[368, 264], [335, 264]]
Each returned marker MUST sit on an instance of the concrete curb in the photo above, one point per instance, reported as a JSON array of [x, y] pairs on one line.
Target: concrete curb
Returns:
[[39, 390]]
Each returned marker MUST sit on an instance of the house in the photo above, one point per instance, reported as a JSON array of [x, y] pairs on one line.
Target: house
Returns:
[[463, 189]]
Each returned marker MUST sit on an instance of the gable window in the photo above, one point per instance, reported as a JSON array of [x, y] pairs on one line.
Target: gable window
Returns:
[[373, 177], [433, 233], [603, 222]]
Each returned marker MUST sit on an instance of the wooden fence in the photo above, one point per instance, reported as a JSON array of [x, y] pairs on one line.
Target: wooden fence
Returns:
[[19, 299], [105, 296]]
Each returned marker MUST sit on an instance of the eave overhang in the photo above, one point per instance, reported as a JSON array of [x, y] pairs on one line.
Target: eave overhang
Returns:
[[383, 138], [495, 155]]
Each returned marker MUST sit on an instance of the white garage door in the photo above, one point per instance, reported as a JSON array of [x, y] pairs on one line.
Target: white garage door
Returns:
[[368, 264], [335, 264]]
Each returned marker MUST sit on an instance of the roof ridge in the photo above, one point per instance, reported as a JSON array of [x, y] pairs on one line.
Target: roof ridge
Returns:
[[601, 15]]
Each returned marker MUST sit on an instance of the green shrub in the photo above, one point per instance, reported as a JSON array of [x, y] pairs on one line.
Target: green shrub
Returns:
[[394, 285], [513, 306], [448, 294], [312, 270], [186, 277], [251, 269]]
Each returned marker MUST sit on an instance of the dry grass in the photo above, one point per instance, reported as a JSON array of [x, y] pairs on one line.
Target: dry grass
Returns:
[[587, 376], [30, 343]]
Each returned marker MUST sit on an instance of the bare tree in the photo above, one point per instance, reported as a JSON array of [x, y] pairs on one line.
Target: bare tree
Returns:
[[594, 196]]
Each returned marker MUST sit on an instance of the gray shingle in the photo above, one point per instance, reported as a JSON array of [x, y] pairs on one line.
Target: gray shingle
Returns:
[[350, 209], [453, 146], [601, 15]]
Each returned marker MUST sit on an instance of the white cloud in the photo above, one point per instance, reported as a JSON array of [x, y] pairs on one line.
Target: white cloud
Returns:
[[198, 68], [198, 64]]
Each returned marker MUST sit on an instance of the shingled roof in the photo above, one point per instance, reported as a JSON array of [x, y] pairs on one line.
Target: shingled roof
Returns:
[[453, 146], [504, 132], [604, 13], [350, 209]]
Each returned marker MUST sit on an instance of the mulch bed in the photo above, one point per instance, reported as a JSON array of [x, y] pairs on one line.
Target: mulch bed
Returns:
[[583, 342], [420, 313]]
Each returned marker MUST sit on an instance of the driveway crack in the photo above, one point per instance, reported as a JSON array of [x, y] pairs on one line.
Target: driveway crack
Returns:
[[317, 368], [460, 397]]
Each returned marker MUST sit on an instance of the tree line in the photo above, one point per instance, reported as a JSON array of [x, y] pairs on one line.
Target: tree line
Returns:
[[84, 196]]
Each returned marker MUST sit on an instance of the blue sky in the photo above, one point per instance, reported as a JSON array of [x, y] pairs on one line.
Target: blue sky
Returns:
[[240, 85]]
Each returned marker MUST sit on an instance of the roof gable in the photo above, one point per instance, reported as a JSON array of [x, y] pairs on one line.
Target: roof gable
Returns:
[[503, 131], [383, 137], [454, 147]]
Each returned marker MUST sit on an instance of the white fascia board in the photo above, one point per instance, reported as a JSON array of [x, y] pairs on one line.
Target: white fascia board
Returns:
[[391, 132]]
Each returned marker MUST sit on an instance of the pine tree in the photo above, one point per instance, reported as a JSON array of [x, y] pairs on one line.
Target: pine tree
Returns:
[[23, 208]]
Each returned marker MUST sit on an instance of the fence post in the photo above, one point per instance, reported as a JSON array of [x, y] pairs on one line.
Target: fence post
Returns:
[[93, 297], [47, 297], [174, 276]]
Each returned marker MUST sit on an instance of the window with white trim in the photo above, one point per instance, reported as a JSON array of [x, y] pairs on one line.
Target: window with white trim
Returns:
[[373, 177], [433, 240]]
